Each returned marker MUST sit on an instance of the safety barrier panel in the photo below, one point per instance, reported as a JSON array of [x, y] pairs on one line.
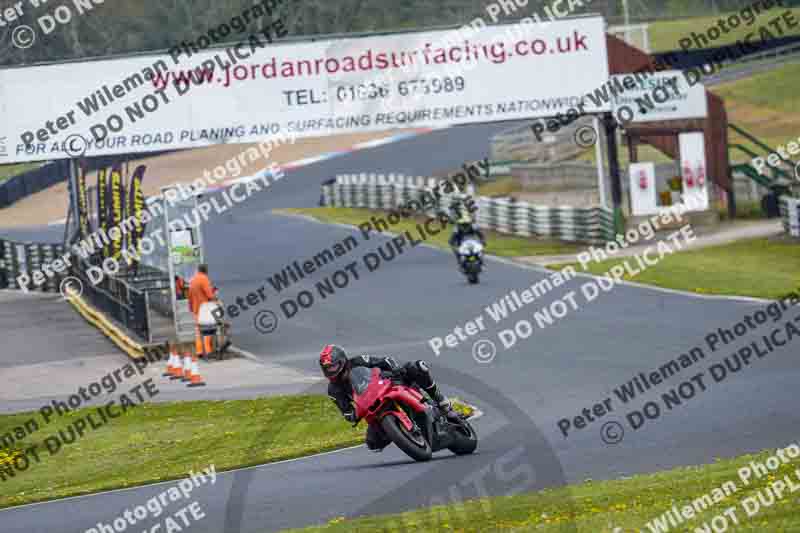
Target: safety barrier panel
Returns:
[[566, 223], [133, 303], [116, 299], [388, 179], [790, 213], [119, 337], [113, 296], [32, 181], [386, 191], [379, 191], [18, 258]]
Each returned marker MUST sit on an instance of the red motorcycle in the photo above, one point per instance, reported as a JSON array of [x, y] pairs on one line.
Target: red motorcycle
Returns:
[[408, 417]]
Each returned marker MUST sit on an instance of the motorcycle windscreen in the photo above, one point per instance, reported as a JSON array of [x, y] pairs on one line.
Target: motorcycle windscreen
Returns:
[[469, 247], [360, 377]]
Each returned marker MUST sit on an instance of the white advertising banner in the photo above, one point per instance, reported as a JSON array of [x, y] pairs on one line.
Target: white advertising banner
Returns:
[[693, 170], [663, 95], [644, 196], [248, 92]]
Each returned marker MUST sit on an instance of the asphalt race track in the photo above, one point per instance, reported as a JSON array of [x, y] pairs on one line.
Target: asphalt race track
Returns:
[[523, 392]]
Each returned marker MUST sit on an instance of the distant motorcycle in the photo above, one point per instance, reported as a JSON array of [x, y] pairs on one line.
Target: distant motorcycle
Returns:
[[408, 417], [470, 258]]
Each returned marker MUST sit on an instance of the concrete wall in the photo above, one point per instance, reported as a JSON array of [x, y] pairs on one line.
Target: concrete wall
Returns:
[[577, 175], [520, 144]]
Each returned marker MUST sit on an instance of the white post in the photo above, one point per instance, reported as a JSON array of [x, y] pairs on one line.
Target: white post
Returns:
[[627, 22], [598, 150]]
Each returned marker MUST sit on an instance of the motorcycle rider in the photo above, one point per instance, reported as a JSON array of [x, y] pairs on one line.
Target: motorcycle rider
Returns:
[[336, 366], [465, 228], [461, 204]]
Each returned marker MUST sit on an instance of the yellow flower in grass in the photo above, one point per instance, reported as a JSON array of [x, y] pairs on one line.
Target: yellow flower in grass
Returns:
[[8, 458]]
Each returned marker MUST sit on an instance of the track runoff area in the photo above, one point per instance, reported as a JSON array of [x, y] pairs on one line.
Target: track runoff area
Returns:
[[426, 79]]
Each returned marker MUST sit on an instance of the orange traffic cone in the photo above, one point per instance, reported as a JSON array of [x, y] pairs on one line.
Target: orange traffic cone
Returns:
[[196, 380], [177, 368], [172, 362], [187, 368]]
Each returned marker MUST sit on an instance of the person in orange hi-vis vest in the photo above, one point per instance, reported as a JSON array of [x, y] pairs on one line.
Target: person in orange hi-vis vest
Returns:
[[201, 292]]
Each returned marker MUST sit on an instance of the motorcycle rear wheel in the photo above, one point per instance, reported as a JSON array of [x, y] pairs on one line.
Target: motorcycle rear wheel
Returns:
[[415, 446], [466, 439]]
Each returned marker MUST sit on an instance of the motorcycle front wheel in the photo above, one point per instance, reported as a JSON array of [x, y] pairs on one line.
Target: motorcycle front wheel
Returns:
[[466, 439], [472, 277], [413, 443]]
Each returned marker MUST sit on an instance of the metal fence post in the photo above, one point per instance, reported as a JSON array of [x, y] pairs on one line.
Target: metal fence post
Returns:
[[147, 317]]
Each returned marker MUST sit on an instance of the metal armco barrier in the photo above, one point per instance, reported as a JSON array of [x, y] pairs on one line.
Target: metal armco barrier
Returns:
[[4, 274], [116, 299], [38, 179], [32, 181], [381, 191], [790, 213], [17, 258]]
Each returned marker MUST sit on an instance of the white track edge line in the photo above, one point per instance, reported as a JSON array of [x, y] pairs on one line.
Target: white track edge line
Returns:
[[179, 479], [539, 268]]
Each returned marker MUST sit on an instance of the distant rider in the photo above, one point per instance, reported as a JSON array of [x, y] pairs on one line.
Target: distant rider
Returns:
[[337, 366], [465, 229]]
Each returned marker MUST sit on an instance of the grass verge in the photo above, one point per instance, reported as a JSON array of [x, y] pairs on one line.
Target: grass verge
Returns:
[[667, 35], [602, 507], [750, 210], [782, 93], [496, 243], [761, 268], [161, 441], [501, 186], [766, 105]]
